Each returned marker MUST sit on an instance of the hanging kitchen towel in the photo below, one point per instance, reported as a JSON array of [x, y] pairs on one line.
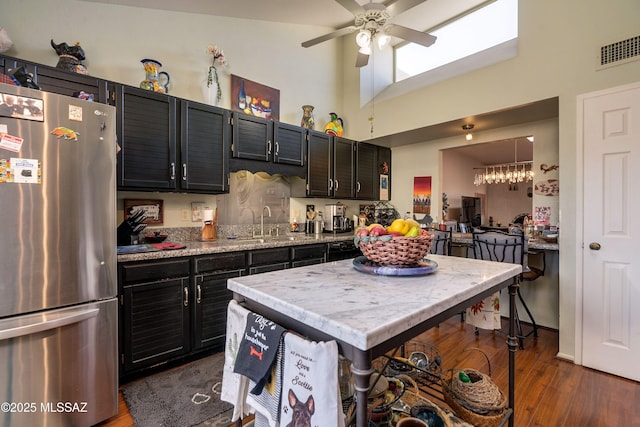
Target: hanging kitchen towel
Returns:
[[310, 383], [258, 349], [234, 386], [267, 403]]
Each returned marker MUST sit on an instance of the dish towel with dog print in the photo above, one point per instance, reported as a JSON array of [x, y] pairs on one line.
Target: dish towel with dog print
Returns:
[[267, 403], [310, 395], [234, 386], [258, 350]]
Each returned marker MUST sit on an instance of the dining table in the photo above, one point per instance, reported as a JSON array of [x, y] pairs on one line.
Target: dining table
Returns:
[[370, 310]]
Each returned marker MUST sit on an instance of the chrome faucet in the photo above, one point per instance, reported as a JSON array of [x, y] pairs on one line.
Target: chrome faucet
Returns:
[[262, 220]]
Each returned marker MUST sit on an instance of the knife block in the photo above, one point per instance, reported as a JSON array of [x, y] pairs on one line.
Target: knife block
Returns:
[[126, 236]]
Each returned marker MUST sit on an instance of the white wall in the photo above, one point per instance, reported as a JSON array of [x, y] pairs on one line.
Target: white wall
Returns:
[[115, 39]]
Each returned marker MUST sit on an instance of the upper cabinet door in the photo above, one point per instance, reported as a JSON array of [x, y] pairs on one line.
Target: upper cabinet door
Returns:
[[146, 128], [204, 145], [289, 144], [319, 179], [252, 137], [343, 166], [367, 176]]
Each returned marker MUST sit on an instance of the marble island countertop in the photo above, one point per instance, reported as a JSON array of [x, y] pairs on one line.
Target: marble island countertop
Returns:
[[365, 310], [240, 244]]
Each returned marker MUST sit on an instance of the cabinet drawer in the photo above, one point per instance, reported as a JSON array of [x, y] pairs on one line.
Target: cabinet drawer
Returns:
[[148, 271], [308, 261], [304, 252], [226, 261], [268, 256]]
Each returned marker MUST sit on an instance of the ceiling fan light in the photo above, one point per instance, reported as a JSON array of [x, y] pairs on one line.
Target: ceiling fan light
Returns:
[[383, 41], [363, 38], [365, 50]]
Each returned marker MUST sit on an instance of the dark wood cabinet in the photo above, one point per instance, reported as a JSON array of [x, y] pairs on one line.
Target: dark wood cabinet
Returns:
[[204, 143], [272, 259], [152, 157], [342, 166], [367, 172], [146, 128], [212, 297], [261, 145], [154, 313], [289, 144], [320, 156], [252, 137], [331, 163], [308, 255]]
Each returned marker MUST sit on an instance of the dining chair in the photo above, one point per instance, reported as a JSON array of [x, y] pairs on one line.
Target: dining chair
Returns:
[[442, 241], [511, 248]]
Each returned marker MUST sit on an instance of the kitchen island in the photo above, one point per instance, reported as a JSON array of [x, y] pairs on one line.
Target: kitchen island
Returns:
[[369, 315]]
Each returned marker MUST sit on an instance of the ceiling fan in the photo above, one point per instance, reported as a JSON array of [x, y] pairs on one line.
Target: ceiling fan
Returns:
[[372, 22]]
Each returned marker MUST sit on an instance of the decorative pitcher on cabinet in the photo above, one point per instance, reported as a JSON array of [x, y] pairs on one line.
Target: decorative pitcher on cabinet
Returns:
[[156, 81]]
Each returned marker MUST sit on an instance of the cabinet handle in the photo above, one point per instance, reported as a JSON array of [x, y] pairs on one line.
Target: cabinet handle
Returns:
[[172, 170], [336, 186], [186, 297], [199, 294], [184, 171], [330, 184], [269, 148], [358, 187], [277, 149]]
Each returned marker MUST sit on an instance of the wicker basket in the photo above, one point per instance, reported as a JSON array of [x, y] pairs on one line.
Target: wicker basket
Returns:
[[413, 398], [479, 402], [400, 250]]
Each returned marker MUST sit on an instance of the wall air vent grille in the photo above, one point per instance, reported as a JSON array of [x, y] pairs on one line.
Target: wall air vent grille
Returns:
[[620, 52]]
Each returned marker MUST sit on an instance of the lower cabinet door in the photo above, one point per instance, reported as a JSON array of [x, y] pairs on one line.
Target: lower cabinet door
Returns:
[[155, 322], [210, 304]]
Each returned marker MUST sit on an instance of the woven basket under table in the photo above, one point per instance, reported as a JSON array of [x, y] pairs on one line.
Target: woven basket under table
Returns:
[[400, 250]]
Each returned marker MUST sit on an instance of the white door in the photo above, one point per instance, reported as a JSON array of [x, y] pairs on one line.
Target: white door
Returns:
[[611, 232]]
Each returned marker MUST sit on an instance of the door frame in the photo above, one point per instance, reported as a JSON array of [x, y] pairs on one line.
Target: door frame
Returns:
[[579, 243]]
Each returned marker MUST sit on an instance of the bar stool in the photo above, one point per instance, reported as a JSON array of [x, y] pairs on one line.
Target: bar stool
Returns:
[[511, 248]]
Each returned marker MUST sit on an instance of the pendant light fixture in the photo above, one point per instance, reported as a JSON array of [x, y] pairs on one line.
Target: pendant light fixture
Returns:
[[467, 128]]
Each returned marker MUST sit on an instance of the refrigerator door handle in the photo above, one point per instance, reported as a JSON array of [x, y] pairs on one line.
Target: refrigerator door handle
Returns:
[[40, 324]]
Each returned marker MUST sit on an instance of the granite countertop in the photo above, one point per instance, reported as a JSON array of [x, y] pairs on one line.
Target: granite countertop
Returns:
[[467, 239], [363, 309], [232, 245]]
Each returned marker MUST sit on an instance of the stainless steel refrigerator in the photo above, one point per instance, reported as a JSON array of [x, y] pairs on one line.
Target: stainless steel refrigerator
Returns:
[[58, 284]]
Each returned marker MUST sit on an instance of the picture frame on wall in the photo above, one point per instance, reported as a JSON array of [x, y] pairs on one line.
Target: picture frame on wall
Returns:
[[384, 187], [255, 99], [153, 209]]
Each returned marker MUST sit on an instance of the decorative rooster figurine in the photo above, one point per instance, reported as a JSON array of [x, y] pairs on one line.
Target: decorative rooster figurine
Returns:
[[334, 127]]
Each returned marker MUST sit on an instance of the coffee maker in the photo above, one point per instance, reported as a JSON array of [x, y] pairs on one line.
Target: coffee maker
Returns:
[[335, 219]]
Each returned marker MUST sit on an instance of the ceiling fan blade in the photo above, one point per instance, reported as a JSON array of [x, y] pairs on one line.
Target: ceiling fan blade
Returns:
[[362, 60], [398, 6], [351, 5], [338, 33], [425, 39]]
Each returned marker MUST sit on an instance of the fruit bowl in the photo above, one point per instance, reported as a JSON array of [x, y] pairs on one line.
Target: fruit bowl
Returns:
[[395, 250]]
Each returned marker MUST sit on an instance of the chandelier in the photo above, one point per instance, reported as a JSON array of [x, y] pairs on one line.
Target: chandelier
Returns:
[[505, 173], [510, 173]]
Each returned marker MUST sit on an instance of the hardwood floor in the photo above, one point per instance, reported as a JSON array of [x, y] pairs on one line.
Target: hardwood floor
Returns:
[[550, 392]]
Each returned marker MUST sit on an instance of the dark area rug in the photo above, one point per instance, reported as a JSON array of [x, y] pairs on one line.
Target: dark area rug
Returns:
[[183, 396]]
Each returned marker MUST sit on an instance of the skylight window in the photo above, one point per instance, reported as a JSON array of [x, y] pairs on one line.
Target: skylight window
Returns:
[[480, 30]]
